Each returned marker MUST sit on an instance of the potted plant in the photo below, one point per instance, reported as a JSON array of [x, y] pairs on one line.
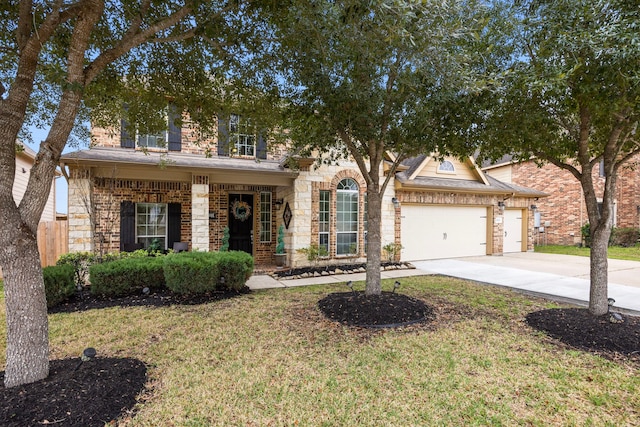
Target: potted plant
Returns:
[[281, 257]]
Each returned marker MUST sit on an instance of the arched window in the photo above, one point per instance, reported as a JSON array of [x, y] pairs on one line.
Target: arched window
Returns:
[[347, 217], [446, 166]]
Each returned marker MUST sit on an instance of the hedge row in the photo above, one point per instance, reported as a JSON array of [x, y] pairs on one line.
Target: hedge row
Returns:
[[126, 276], [183, 273]]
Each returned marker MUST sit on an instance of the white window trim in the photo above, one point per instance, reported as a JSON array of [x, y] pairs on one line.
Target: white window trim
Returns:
[[265, 226], [166, 225], [444, 171], [357, 232], [235, 136]]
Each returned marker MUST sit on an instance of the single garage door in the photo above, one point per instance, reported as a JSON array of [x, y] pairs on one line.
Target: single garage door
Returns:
[[431, 232], [512, 231]]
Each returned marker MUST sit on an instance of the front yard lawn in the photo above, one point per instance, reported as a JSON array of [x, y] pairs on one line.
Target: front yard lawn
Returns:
[[615, 252], [271, 358]]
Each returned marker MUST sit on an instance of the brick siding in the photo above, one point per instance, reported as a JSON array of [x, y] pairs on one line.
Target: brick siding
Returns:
[[565, 209]]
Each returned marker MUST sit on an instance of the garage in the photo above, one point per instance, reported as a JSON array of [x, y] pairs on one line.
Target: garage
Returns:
[[513, 231], [443, 231]]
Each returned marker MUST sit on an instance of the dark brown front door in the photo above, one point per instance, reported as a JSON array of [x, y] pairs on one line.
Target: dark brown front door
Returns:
[[241, 222]]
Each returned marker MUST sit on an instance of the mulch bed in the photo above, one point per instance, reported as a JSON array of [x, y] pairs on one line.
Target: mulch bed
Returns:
[[374, 311], [83, 301], [578, 328], [89, 394]]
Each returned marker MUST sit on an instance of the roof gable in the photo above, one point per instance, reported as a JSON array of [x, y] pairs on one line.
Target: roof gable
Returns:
[[446, 168]]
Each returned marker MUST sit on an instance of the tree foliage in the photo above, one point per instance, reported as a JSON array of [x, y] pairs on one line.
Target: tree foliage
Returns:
[[61, 60], [361, 79], [571, 97]]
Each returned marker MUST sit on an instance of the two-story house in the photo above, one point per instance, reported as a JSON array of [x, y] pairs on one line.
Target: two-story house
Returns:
[[128, 192]]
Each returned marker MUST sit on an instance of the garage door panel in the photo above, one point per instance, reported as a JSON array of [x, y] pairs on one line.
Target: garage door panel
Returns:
[[432, 232]]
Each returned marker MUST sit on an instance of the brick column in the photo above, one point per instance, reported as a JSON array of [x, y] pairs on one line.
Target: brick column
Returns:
[[200, 212]]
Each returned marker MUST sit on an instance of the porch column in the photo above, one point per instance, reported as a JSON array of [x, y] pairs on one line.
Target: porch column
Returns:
[[200, 212], [79, 215]]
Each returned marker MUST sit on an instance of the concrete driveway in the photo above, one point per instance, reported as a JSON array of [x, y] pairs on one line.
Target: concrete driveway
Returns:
[[562, 277]]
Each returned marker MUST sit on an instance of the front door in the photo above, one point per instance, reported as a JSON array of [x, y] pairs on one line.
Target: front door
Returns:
[[241, 222]]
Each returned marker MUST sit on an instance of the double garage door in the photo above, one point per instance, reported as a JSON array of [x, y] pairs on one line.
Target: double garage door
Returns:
[[432, 232]]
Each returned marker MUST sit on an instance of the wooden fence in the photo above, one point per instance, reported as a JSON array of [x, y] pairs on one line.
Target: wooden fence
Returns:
[[53, 241]]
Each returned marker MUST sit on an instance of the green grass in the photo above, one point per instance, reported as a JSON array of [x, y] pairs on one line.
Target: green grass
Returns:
[[615, 252], [270, 358]]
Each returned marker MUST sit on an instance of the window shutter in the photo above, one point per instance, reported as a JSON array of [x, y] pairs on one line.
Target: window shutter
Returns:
[[223, 137], [175, 132], [173, 226], [125, 140], [127, 225], [261, 146]]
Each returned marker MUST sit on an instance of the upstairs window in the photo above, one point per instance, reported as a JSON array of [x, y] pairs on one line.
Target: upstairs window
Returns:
[[158, 140], [446, 167], [242, 138], [170, 138], [237, 136]]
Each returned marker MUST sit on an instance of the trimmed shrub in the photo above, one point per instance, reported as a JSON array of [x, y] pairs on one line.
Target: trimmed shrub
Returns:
[[236, 267], [127, 276], [625, 236], [59, 283], [191, 272], [80, 261]]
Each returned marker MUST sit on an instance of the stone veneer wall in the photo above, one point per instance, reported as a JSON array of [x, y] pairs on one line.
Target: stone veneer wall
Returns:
[[304, 228], [200, 212], [80, 229]]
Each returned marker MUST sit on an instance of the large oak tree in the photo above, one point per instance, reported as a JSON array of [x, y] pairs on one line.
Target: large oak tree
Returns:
[[571, 97], [363, 79], [61, 59]]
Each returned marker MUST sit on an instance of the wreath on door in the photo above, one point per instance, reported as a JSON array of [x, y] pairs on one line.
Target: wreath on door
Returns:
[[241, 210]]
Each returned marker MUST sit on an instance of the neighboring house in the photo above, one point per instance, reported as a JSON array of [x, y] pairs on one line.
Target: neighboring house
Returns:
[[127, 193], [563, 213], [25, 157]]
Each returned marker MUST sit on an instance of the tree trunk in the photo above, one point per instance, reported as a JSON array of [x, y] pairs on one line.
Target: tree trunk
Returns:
[[599, 274], [374, 241], [27, 322]]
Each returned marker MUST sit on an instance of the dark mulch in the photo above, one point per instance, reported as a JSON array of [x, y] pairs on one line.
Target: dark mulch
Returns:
[[83, 301], [99, 390], [92, 394], [578, 328], [575, 327], [377, 311]]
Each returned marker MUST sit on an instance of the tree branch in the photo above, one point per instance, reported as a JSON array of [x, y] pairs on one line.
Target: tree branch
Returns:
[[132, 38]]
